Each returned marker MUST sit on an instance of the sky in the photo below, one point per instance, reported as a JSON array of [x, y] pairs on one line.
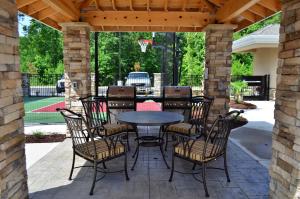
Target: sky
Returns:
[[24, 22]]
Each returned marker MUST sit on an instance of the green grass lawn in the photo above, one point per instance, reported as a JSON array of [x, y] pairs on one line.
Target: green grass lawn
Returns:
[[33, 103]]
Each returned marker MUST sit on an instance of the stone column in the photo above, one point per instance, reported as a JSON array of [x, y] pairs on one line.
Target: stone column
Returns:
[[13, 175], [218, 46], [77, 63], [158, 83], [285, 165]]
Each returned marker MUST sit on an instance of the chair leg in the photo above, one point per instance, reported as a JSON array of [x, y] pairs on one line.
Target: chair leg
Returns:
[[94, 179], [225, 167], [172, 168], [73, 162], [128, 145], [125, 167], [204, 179], [167, 139], [194, 166], [104, 165]]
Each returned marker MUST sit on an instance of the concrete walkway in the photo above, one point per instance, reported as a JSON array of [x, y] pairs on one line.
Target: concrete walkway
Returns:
[[256, 137], [48, 178]]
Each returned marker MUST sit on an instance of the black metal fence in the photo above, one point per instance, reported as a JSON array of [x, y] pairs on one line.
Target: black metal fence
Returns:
[[258, 87], [42, 85]]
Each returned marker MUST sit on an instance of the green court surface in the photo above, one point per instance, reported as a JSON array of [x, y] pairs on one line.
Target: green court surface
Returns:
[[42, 110]]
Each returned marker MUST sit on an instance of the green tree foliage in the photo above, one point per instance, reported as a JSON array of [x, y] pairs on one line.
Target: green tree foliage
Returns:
[[193, 59], [41, 50]]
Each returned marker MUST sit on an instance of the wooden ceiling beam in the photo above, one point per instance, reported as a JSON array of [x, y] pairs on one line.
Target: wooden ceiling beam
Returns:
[[23, 3], [85, 3], [113, 3], [97, 2], [233, 8], [36, 7], [273, 5], [259, 10], [166, 5], [130, 5], [66, 10], [144, 18], [45, 13], [184, 2], [51, 23], [144, 28], [148, 5]]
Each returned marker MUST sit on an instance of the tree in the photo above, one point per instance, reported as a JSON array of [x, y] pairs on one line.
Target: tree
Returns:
[[41, 50], [193, 59]]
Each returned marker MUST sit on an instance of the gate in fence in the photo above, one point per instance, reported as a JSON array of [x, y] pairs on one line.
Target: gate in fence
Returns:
[[258, 87]]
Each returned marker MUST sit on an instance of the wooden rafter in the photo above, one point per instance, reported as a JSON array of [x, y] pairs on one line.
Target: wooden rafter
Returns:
[[273, 5], [130, 5], [144, 28], [259, 10], [86, 3], [184, 2], [148, 5], [208, 5], [166, 5], [97, 2], [36, 7], [45, 13], [233, 8], [51, 23], [113, 3], [144, 18], [22, 3], [65, 10]]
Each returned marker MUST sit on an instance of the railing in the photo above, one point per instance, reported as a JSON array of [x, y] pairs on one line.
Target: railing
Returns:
[[42, 85]]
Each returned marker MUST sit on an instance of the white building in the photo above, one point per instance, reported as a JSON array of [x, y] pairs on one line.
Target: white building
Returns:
[[263, 44]]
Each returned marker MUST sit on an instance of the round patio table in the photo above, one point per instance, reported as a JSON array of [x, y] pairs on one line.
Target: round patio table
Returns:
[[149, 118]]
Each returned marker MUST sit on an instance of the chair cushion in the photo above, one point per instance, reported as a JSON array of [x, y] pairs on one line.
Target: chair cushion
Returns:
[[183, 128], [102, 151], [196, 151], [112, 129]]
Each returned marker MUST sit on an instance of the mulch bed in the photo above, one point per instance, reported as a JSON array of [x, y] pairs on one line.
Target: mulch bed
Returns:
[[45, 138], [242, 105]]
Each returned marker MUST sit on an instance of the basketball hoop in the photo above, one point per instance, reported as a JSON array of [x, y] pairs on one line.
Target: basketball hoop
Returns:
[[144, 43]]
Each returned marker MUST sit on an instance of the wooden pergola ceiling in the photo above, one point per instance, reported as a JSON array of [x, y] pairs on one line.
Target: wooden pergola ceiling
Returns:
[[149, 15]]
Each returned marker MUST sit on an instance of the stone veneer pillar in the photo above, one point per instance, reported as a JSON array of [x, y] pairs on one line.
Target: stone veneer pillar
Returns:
[[13, 175], [285, 165], [159, 82], [218, 46], [77, 63]]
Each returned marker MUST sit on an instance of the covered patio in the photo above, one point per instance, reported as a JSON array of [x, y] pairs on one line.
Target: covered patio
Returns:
[[218, 19]]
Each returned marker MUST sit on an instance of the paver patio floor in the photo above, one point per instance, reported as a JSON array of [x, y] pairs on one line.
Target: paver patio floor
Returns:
[[48, 178]]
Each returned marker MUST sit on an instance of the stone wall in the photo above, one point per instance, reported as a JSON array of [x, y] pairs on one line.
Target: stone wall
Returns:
[[159, 82], [285, 165], [13, 176], [77, 63], [218, 43]]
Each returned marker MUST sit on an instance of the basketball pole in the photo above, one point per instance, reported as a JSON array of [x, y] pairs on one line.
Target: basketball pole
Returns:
[[96, 63]]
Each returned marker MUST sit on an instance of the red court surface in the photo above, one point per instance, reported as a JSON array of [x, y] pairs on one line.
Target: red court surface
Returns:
[[145, 106]]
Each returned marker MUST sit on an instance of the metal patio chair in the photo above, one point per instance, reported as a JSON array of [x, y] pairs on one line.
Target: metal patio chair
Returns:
[[95, 151], [198, 117], [121, 99], [202, 152], [97, 117], [176, 99]]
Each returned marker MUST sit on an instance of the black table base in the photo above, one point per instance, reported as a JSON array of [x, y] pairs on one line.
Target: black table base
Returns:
[[149, 141]]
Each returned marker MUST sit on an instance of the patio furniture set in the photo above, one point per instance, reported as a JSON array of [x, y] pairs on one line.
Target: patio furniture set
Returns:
[[102, 134]]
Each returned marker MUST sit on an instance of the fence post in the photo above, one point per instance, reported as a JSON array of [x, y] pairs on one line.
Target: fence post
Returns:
[[93, 88], [26, 84]]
